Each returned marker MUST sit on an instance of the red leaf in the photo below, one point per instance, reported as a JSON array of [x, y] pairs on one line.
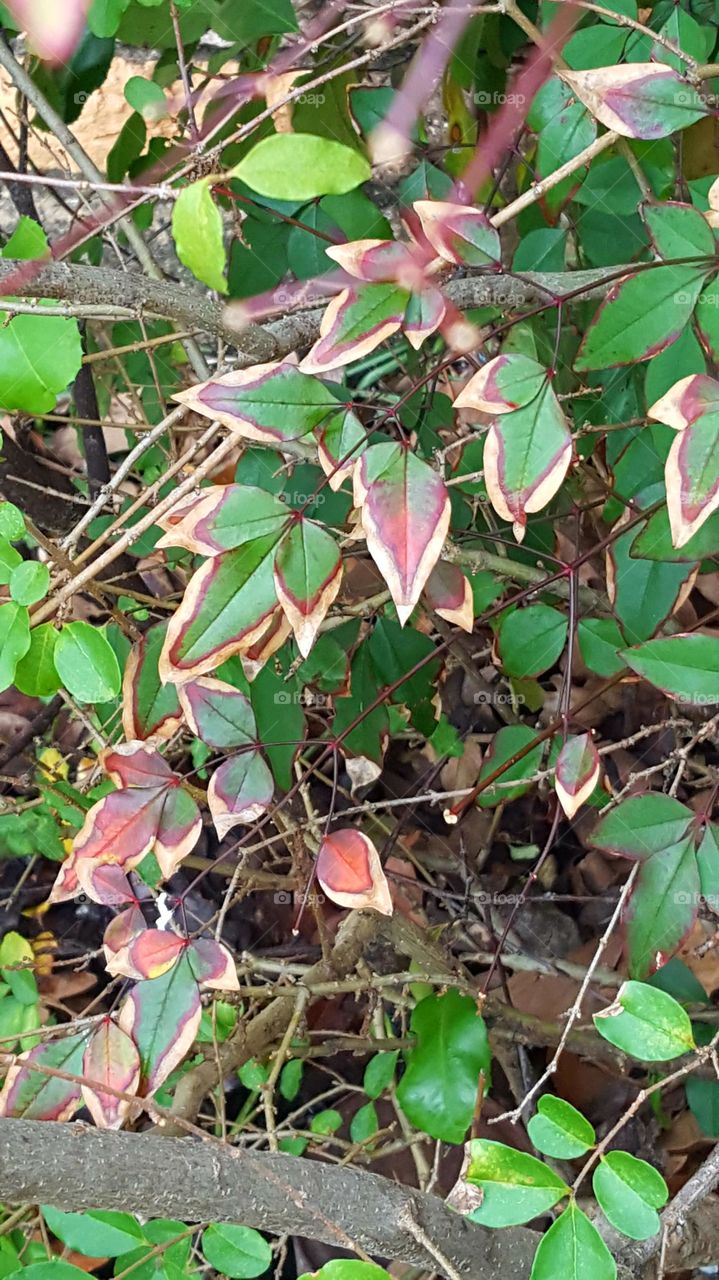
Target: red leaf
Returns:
[[148, 955], [449, 592], [134, 764], [213, 965], [577, 772], [350, 872]]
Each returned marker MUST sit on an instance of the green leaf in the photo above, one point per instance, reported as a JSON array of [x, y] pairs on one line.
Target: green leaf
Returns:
[[438, 1091], [326, 1122], [679, 230], [640, 317], [531, 640], [96, 1233], [708, 864], [147, 97], [559, 1130], [379, 1073], [104, 16], [57, 1270], [516, 1187], [29, 582], [35, 674], [300, 166], [505, 744], [629, 1192], [364, 1123], [9, 561], [703, 1102], [12, 522], [14, 640], [654, 541], [347, 1269], [647, 1023], [240, 1252], [663, 907], [86, 663], [14, 953], [642, 825], [198, 234], [684, 666], [573, 1250]]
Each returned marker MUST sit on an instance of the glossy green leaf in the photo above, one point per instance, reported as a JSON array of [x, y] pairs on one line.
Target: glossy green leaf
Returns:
[[630, 1192], [438, 1091], [559, 1130], [198, 234], [29, 582], [17, 967], [642, 825], [86, 663], [679, 230], [599, 643], [531, 640], [507, 742], [240, 1252], [663, 906], [516, 1187], [683, 666], [647, 1023], [573, 1249], [640, 316], [300, 166], [14, 640], [379, 1073], [97, 1233]]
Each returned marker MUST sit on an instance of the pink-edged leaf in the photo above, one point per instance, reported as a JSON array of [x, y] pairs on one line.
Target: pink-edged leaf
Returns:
[[376, 261], [119, 829], [178, 830], [53, 30], [105, 883], [449, 592], [111, 1058], [228, 516], [213, 965], [686, 401], [405, 517], [459, 234], [181, 510], [122, 932], [691, 475], [308, 575], [340, 441], [272, 639], [638, 99], [135, 764], [33, 1095], [240, 791], [425, 312], [162, 1016], [150, 709], [227, 606], [148, 955], [218, 713], [641, 315], [577, 772], [507, 382], [526, 457], [354, 323], [271, 403], [350, 872]]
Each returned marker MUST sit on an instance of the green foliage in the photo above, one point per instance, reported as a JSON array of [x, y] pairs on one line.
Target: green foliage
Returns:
[[438, 1091]]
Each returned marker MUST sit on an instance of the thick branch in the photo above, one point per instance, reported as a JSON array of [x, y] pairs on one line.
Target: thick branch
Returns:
[[97, 285], [74, 1167]]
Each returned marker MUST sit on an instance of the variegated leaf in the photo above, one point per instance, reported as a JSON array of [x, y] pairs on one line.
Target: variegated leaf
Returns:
[[227, 607], [255, 658], [240, 791], [308, 575], [122, 932], [340, 441], [33, 1095], [354, 323], [509, 381], [149, 708], [376, 261], [148, 955], [226, 517], [691, 475], [405, 517], [449, 592], [526, 457], [271, 403], [178, 830], [576, 772], [350, 872], [105, 883], [111, 1058], [686, 401], [136, 764], [162, 1016], [218, 713], [459, 234], [638, 99], [212, 965], [425, 312]]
